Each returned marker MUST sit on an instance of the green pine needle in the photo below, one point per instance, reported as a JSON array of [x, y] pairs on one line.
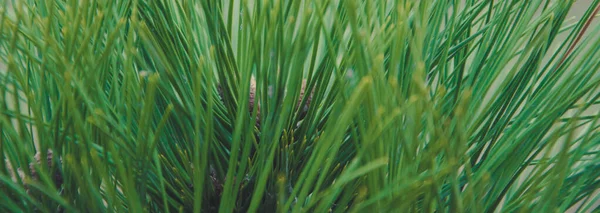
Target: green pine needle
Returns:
[[299, 106]]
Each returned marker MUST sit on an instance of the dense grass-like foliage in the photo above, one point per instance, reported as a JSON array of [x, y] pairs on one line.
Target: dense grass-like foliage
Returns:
[[298, 106]]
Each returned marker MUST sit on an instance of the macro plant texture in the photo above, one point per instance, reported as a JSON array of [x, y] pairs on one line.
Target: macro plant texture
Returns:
[[299, 106]]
